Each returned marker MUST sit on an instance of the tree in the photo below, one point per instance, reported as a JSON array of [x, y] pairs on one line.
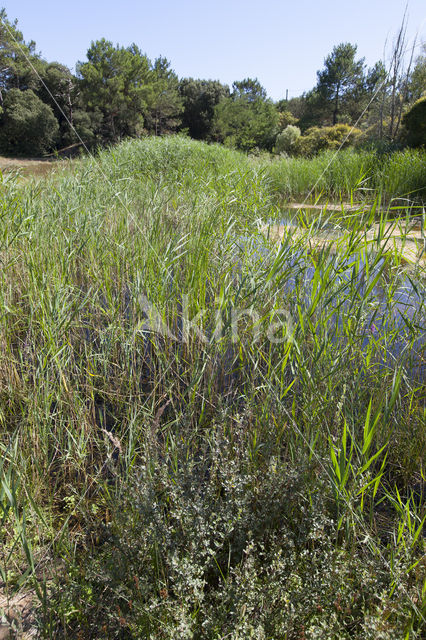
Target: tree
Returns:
[[417, 81], [200, 98], [15, 72], [341, 77], [164, 100], [250, 89], [27, 125], [372, 100], [246, 119], [285, 115], [313, 109], [115, 84], [59, 90]]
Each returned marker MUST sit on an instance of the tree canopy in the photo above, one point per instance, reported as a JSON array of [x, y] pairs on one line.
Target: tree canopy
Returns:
[[164, 102], [200, 98], [114, 83], [16, 58], [28, 124], [341, 79], [118, 92], [246, 119]]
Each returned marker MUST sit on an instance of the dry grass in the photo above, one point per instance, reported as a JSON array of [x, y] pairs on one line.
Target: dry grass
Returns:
[[38, 167]]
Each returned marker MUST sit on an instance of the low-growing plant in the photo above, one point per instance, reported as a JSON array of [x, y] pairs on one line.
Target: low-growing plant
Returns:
[[360, 174]]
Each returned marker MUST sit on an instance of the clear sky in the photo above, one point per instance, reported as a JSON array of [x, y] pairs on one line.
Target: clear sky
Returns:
[[281, 42]]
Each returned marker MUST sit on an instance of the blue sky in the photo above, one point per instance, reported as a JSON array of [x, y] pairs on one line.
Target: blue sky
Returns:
[[282, 43]]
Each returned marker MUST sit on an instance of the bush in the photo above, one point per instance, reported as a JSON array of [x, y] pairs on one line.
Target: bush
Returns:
[[414, 122], [286, 140], [218, 549], [28, 125], [319, 139]]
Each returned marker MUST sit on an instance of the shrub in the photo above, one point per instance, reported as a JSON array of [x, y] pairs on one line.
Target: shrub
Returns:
[[286, 118], [217, 549], [287, 139], [319, 139], [414, 122]]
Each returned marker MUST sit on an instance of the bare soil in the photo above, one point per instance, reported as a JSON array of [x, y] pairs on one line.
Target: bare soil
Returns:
[[17, 616]]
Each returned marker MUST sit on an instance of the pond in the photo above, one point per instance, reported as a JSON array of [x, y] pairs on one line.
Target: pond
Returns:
[[387, 303]]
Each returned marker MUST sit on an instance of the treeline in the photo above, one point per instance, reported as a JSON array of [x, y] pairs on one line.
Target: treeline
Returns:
[[118, 92]]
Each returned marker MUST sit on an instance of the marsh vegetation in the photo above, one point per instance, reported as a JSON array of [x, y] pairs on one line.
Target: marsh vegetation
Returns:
[[206, 432]]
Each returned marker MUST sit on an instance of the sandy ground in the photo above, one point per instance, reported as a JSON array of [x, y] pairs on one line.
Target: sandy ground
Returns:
[[347, 207], [17, 616]]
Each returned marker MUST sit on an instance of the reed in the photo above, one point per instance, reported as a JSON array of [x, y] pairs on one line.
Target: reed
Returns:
[[362, 175], [255, 472]]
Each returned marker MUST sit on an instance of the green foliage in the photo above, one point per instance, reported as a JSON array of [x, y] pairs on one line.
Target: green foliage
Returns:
[[341, 77], [417, 84], [200, 98], [218, 487], [249, 89], [318, 139], [414, 122], [119, 93], [286, 118], [115, 83], [352, 173], [59, 89], [220, 549], [345, 91], [15, 73], [287, 139], [164, 102], [402, 173], [246, 119], [311, 110], [126, 95], [27, 125]]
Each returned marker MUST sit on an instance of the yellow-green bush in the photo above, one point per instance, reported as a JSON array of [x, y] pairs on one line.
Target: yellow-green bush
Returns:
[[318, 139]]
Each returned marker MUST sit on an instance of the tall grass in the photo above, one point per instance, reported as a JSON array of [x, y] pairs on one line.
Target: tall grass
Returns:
[[361, 174], [205, 484]]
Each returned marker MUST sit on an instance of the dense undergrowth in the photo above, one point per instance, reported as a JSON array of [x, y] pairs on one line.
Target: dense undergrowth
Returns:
[[258, 473]]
